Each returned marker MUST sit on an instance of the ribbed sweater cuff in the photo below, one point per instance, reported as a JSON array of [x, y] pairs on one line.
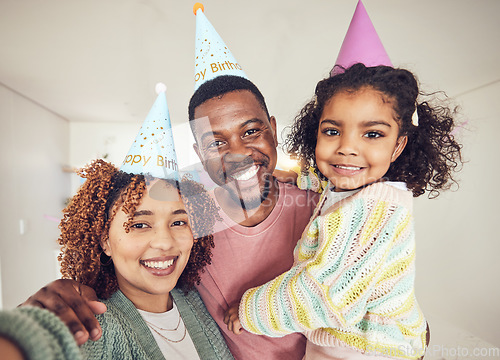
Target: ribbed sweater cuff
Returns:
[[39, 333]]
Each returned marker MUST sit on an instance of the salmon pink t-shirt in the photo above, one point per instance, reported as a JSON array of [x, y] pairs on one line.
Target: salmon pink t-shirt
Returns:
[[245, 257]]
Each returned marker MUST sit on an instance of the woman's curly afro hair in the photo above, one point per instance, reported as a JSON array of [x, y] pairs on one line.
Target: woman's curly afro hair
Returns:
[[87, 218]]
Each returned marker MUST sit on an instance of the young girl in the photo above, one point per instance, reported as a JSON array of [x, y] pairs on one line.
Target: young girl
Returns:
[[351, 289], [139, 243]]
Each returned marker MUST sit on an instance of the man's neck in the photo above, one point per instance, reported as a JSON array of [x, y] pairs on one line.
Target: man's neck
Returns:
[[247, 217]]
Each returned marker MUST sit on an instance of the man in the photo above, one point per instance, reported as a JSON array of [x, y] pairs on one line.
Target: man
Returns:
[[262, 219]]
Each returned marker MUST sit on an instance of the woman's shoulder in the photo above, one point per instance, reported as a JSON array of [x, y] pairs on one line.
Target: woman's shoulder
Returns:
[[201, 326], [120, 310], [189, 303]]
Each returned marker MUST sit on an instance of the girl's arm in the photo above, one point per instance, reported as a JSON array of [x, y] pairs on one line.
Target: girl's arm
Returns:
[[340, 261]]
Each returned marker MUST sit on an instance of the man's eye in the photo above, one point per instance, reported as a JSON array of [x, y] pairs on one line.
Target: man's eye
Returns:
[[331, 132], [373, 134], [215, 144], [250, 132]]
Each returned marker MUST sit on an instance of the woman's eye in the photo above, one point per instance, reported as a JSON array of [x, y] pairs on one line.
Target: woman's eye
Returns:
[[179, 223], [139, 226], [373, 134]]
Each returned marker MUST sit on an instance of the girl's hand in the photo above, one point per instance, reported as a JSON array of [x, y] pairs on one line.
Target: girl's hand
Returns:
[[232, 320]]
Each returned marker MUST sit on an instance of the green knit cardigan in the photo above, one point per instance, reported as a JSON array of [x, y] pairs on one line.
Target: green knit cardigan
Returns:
[[125, 334]]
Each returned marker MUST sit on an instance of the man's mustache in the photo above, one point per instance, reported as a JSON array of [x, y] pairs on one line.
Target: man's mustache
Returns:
[[238, 163]]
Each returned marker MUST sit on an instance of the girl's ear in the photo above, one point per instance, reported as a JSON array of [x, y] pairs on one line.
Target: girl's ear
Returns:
[[400, 146]]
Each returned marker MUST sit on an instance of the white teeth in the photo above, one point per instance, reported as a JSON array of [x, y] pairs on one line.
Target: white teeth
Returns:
[[348, 167], [159, 265], [246, 174]]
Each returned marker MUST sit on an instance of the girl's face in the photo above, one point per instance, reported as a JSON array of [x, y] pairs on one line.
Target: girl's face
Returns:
[[358, 138], [149, 259]]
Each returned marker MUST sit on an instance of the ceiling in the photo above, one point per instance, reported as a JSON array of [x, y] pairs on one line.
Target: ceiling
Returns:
[[99, 60]]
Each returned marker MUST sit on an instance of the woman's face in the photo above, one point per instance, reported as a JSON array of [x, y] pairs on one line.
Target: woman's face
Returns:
[[150, 258]]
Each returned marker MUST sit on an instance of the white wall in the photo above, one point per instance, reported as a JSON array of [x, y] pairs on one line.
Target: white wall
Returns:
[[112, 140], [93, 140], [34, 145], [458, 247]]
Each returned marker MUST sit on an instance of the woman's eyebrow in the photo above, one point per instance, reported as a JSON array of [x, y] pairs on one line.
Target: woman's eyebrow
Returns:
[[149, 212], [143, 212], [179, 211]]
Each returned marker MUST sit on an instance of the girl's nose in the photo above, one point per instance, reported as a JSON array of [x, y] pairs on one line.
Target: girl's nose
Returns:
[[348, 145]]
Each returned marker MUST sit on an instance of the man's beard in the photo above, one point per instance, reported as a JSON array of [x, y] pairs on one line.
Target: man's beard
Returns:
[[239, 197], [251, 203]]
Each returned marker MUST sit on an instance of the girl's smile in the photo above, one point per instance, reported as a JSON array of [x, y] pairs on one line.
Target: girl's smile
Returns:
[[347, 170], [358, 138]]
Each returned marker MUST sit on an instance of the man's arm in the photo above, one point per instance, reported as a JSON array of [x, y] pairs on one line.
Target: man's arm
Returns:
[[75, 304]]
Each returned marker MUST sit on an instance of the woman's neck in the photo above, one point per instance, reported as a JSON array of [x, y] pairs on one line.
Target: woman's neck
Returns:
[[152, 303]]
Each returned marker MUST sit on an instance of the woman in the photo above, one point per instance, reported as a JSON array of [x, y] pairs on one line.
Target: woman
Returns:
[[139, 243]]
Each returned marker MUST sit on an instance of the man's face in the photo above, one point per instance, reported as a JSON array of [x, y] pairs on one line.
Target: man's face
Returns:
[[236, 143]]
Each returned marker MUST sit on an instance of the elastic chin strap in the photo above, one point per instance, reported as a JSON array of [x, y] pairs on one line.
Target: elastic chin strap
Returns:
[[414, 117]]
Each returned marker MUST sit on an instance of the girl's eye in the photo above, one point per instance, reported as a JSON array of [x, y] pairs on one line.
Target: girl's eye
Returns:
[[179, 223], [139, 226], [331, 132], [373, 134]]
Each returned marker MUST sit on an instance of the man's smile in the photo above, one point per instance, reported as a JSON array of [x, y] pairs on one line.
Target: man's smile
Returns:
[[245, 174]]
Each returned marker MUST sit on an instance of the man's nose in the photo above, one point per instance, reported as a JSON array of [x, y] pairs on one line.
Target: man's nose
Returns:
[[238, 152]]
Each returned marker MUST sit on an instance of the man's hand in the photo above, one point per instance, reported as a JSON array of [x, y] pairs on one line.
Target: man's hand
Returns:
[[74, 304], [284, 176], [232, 320]]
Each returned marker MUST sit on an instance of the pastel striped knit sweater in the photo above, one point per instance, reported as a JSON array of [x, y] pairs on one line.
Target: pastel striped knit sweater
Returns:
[[352, 283]]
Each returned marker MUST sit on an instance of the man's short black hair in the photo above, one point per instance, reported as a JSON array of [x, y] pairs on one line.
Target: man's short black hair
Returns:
[[220, 86]]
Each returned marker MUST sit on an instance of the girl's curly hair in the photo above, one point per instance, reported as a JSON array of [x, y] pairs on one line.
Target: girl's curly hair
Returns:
[[431, 154], [86, 220]]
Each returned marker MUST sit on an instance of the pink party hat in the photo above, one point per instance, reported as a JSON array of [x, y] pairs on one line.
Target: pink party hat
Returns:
[[361, 44], [153, 151], [212, 56]]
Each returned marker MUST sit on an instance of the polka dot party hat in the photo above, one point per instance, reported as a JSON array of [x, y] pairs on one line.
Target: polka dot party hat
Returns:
[[361, 44], [153, 151], [212, 57]]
